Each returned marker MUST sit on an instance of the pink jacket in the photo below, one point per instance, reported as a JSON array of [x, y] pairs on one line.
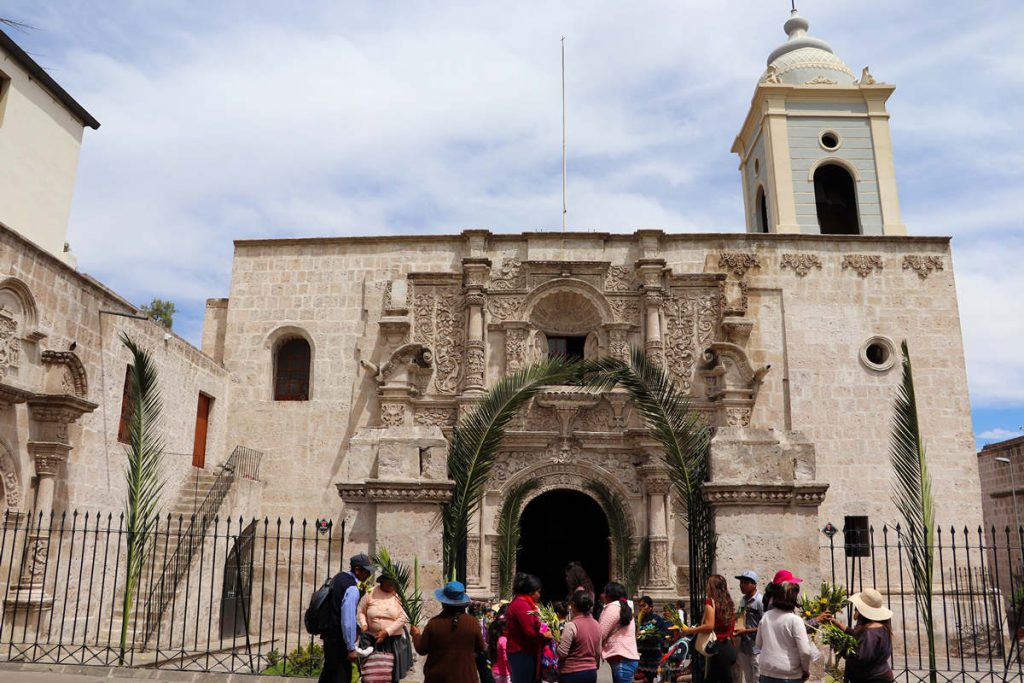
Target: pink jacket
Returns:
[[617, 641]]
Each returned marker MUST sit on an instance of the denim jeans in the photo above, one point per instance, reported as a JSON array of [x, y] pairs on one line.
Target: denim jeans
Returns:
[[523, 667], [589, 676], [623, 670]]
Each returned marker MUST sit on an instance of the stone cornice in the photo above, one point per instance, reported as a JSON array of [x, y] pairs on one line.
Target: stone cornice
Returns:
[[10, 395], [410, 491], [810, 494]]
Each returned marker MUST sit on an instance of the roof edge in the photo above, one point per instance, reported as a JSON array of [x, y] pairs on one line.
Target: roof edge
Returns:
[[46, 81]]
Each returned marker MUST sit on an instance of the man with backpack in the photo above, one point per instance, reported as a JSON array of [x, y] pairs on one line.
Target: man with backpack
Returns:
[[341, 639]]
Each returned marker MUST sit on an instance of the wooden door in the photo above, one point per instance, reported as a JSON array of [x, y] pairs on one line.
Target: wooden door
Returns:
[[202, 422]]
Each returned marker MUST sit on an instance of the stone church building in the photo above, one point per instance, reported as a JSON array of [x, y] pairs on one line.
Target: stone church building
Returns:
[[346, 361]]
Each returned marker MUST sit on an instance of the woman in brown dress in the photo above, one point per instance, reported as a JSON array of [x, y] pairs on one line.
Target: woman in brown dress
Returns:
[[451, 640]]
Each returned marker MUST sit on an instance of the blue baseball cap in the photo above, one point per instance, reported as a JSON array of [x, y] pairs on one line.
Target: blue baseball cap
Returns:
[[749, 576]]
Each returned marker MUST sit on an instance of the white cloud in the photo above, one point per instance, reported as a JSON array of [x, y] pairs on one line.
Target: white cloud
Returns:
[[236, 119], [998, 434]]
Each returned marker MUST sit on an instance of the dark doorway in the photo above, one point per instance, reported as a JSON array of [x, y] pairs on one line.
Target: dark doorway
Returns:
[[836, 200], [571, 347], [557, 528], [762, 211], [236, 599]]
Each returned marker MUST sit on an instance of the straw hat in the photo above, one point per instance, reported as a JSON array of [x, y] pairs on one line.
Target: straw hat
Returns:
[[871, 605]]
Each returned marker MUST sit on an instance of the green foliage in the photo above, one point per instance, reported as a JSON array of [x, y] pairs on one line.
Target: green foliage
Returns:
[[630, 557], [831, 598], [912, 496], [475, 442], [144, 452], [161, 311], [841, 642], [508, 535], [685, 444], [409, 595], [305, 661]]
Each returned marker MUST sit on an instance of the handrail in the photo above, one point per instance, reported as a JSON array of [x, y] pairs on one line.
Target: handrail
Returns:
[[243, 462]]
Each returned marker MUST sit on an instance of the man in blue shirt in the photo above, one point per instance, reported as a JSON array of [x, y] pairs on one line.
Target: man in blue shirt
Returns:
[[341, 641], [752, 609]]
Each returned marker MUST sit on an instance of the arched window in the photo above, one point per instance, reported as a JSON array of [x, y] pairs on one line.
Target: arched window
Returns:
[[291, 370], [762, 211], [836, 199]]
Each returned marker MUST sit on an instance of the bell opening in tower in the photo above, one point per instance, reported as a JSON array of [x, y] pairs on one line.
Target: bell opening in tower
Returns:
[[836, 201]]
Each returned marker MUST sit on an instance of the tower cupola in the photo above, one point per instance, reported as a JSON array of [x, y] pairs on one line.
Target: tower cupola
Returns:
[[815, 150]]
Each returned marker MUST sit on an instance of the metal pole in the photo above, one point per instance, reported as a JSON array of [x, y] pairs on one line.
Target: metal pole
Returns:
[[1013, 494], [565, 209]]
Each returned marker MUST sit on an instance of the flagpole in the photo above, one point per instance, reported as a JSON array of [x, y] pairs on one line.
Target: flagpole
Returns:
[[564, 205]]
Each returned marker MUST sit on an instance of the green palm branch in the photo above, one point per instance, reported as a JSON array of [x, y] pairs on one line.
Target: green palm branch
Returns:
[[407, 583], [144, 452], [912, 496], [685, 444], [630, 557], [508, 535], [476, 440]]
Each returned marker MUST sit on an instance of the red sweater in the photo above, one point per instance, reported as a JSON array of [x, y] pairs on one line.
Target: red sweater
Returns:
[[523, 628]]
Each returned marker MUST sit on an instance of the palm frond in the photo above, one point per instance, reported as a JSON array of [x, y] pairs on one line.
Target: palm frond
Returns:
[[477, 438], [685, 443], [409, 595], [508, 535], [638, 566], [144, 453], [912, 496]]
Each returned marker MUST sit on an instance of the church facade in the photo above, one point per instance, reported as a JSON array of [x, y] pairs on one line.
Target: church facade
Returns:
[[347, 361]]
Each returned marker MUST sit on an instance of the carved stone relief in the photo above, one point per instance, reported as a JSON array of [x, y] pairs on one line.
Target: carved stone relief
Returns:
[[435, 417], [863, 264], [620, 279], [10, 345], [392, 414], [625, 310], [12, 486], [596, 419], [438, 311], [738, 262], [509, 275], [692, 317], [503, 308], [515, 347], [922, 265], [800, 264]]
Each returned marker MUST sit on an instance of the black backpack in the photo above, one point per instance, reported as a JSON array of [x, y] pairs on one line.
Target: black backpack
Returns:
[[318, 617]]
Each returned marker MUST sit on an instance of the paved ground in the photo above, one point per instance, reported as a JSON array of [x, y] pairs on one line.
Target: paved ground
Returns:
[[39, 674]]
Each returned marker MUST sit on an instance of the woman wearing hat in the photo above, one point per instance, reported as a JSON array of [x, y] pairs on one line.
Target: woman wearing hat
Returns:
[[786, 651], [382, 620], [873, 630], [451, 640]]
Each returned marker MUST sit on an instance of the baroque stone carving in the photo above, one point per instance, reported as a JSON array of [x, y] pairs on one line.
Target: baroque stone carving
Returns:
[[765, 494], [392, 414], [376, 491], [475, 362], [10, 345], [618, 344], [738, 262], [73, 373], [922, 265], [866, 78], [509, 275], [772, 75], [692, 320], [620, 279], [12, 487], [820, 80], [438, 312], [503, 308], [434, 417], [515, 348], [864, 264], [625, 310], [658, 564], [738, 417], [800, 264], [596, 419]]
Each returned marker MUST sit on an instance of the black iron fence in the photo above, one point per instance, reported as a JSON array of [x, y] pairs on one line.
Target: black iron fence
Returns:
[[236, 606], [977, 601]]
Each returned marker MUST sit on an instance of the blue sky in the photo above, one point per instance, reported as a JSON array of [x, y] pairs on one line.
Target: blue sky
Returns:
[[252, 119]]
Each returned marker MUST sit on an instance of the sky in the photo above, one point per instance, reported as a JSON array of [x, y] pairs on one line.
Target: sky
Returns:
[[232, 120]]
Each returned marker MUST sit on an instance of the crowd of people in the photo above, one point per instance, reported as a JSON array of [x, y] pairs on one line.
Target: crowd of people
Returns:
[[761, 639]]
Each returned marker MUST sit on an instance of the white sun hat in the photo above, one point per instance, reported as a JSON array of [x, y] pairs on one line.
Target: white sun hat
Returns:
[[870, 604]]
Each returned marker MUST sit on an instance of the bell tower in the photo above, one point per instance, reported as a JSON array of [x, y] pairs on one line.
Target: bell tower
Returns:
[[815, 150]]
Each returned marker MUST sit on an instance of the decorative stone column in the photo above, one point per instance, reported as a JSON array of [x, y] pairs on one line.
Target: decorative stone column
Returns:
[[652, 324], [765, 502], [618, 340], [475, 272], [656, 489], [49, 445]]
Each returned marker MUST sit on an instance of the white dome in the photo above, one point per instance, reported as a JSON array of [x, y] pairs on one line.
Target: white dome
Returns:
[[805, 60]]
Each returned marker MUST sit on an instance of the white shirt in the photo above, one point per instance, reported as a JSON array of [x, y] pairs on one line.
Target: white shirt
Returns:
[[786, 651]]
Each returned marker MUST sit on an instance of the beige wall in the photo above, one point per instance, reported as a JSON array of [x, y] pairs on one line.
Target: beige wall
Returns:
[[814, 325], [68, 308], [39, 146]]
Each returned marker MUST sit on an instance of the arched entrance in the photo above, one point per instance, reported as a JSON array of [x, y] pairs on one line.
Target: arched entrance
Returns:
[[558, 527]]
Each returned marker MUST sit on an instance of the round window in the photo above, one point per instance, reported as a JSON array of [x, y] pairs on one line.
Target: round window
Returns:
[[829, 140], [878, 354]]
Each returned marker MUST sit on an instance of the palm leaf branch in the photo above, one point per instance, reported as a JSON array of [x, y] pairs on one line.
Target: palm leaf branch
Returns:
[[143, 452], [476, 440], [508, 535], [912, 496], [406, 583]]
